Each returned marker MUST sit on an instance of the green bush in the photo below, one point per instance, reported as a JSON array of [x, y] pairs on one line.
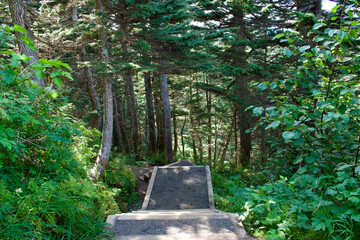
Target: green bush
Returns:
[[120, 177], [45, 154]]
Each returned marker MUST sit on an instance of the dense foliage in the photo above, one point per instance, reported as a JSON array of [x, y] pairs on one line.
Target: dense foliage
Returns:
[[317, 117], [45, 192]]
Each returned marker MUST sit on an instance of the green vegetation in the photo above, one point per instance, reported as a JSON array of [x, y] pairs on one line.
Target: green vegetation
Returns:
[[317, 195], [45, 192]]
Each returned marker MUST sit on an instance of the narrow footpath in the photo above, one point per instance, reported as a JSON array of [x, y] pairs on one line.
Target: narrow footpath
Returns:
[[178, 205]]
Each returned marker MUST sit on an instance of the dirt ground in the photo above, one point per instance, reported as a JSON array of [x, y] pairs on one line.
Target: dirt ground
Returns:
[[141, 185]]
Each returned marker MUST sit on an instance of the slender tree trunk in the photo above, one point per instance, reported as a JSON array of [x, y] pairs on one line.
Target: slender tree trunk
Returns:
[[227, 141], [117, 123], [74, 15], [18, 16], [208, 101], [150, 112], [120, 104], [182, 137], [201, 149], [175, 135], [160, 118], [94, 97], [107, 130], [192, 122], [167, 114], [215, 139], [129, 86]]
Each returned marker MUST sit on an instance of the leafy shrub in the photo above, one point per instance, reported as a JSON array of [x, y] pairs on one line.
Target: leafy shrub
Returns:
[[318, 151], [121, 177], [45, 192]]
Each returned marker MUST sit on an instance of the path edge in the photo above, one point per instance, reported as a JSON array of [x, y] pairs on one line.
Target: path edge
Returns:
[[149, 190], [210, 188]]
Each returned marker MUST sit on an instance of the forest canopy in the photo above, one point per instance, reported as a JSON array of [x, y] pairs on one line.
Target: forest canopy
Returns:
[[264, 92]]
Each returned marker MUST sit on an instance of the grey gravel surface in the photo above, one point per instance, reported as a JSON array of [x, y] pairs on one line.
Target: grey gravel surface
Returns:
[[183, 163], [179, 188], [162, 227]]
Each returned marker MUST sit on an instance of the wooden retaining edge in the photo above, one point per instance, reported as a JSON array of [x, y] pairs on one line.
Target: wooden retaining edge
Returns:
[[149, 189], [210, 189]]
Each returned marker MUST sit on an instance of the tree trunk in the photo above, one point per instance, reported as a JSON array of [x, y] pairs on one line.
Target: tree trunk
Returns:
[[309, 6], [18, 16], [90, 84], [107, 130], [175, 135], [208, 103], [120, 104], [129, 86], [215, 140], [160, 118], [182, 137], [242, 91], [192, 122], [227, 141], [117, 123], [167, 114], [150, 112]]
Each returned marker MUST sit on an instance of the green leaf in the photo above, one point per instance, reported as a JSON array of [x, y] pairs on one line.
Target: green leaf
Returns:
[[357, 170], [262, 86], [20, 29], [280, 35], [332, 32], [273, 85], [318, 25], [336, 8], [38, 74], [318, 224], [57, 81], [273, 125], [54, 94], [288, 135], [288, 52], [304, 48], [258, 111]]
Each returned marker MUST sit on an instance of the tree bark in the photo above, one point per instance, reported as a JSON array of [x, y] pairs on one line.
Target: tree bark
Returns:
[[150, 112], [18, 16], [160, 118], [215, 140], [208, 103], [94, 97], [175, 135], [227, 141], [192, 122], [309, 6], [167, 114], [182, 137], [107, 130], [242, 91], [129, 86], [117, 123], [120, 104]]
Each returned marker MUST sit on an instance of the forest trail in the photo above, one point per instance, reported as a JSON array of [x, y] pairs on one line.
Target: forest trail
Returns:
[[178, 205]]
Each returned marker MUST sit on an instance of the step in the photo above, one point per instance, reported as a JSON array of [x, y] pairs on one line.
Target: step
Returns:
[[182, 224], [179, 187]]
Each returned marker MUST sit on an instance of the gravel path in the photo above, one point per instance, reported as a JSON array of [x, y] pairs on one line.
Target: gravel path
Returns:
[[162, 227], [179, 188]]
